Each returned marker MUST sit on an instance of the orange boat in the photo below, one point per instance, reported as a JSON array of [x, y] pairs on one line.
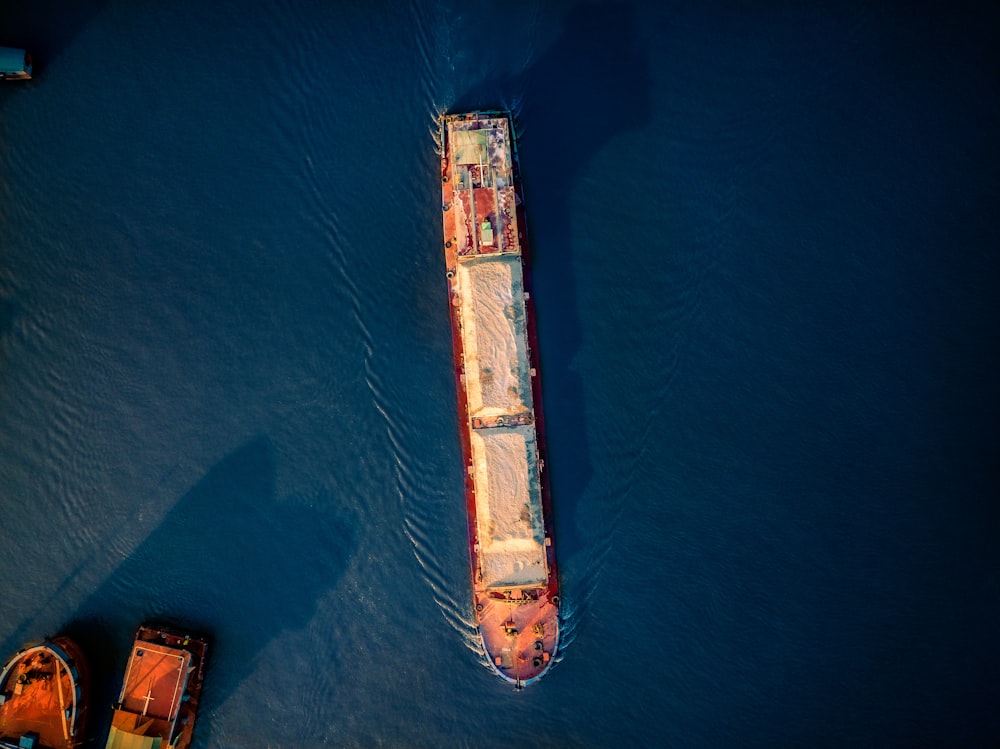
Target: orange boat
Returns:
[[514, 580], [43, 696], [161, 690]]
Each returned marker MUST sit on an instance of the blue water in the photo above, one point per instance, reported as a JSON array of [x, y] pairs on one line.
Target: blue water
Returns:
[[767, 286]]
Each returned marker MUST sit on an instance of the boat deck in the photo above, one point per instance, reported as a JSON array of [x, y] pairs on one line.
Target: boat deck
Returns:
[[161, 688], [513, 563], [155, 681], [42, 694]]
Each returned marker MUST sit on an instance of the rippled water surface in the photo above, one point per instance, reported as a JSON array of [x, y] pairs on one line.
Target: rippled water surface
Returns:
[[766, 280]]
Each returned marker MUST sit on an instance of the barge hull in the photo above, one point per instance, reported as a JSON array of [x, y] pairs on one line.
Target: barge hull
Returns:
[[514, 574], [161, 691]]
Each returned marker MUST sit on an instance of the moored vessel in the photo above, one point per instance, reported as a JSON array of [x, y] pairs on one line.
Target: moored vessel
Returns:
[[161, 690], [514, 582], [44, 689]]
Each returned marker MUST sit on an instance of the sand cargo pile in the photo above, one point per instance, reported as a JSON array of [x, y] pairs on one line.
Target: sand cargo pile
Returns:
[[514, 581]]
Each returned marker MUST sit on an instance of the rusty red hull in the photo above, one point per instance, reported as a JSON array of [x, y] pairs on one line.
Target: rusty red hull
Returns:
[[46, 688], [161, 690], [515, 583]]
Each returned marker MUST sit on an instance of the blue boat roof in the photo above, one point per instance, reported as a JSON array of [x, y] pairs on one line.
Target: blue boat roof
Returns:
[[12, 60]]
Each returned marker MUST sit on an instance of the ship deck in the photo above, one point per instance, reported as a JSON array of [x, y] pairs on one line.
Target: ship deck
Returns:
[[514, 581], [160, 691], [155, 680], [43, 692]]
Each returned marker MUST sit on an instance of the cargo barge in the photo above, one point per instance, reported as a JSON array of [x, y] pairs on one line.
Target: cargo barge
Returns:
[[44, 690], [515, 584], [161, 690]]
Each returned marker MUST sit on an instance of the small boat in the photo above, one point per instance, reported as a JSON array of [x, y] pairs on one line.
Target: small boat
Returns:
[[15, 64], [160, 692], [44, 690]]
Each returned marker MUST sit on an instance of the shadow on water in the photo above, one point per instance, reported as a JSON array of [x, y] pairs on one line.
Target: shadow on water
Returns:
[[590, 85], [229, 560], [8, 311], [45, 27]]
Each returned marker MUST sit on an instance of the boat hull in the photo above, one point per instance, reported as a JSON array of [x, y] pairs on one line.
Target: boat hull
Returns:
[[514, 575], [46, 688], [161, 689]]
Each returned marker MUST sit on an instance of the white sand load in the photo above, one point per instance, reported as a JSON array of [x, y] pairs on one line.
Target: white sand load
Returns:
[[493, 335], [509, 507]]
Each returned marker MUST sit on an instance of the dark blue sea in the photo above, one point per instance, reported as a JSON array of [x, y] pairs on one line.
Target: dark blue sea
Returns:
[[768, 289]]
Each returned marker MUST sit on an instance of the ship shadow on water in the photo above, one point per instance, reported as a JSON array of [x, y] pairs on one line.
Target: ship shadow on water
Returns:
[[8, 313], [230, 560], [592, 84]]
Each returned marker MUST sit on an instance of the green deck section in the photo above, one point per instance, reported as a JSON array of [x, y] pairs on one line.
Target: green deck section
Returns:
[[486, 233], [118, 739], [469, 146]]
